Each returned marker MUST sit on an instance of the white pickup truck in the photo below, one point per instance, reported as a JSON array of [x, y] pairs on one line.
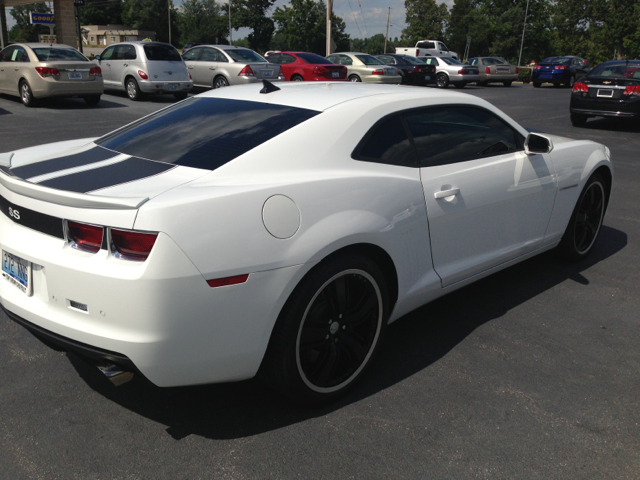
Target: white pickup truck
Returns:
[[426, 48]]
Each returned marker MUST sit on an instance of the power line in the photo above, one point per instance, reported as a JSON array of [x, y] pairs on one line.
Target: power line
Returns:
[[354, 17], [363, 21]]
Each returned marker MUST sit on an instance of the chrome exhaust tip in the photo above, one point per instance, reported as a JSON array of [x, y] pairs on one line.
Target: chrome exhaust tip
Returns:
[[115, 373]]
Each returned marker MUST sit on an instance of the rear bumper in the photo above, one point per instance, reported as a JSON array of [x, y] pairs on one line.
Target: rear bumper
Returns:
[[165, 87], [52, 88], [498, 77], [461, 78], [382, 79], [547, 77], [601, 107]]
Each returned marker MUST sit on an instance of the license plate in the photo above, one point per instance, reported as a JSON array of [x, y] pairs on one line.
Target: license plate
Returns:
[[173, 87], [17, 271], [502, 70], [605, 93], [335, 74], [427, 77], [545, 76], [267, 73], [75, 76]]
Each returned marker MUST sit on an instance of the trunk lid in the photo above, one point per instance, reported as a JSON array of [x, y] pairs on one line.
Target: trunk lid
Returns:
[[264, 70]]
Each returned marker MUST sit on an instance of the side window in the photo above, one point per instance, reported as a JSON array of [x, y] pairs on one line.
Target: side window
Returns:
[[452, 134], [5, 55], [222, 57], [332, 58], [275, 58], [209, 55], [20, 55], [386, 59], [431, 61], [442, 46], [287, 59], [473, 61], [108, 54], [387, 142], [129, 52], [344, 60], [192, 54]]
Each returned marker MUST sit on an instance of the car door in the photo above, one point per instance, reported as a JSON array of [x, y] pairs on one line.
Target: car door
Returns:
[[487, 201], [105, 65], [288, 65], [191, 59], [207, 66], [119, 63], [19, 62], [5, 68]]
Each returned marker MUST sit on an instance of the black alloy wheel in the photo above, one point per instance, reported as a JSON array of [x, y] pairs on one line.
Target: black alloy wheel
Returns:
[[586, 220], [442, 80], [328, 331]]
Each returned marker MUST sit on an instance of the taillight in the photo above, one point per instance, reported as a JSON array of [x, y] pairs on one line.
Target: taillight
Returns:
[[48, 72], [143, 75], [417, 52], [280, 73], [464, 72], [223, 282], [416, 69], [319, 70], [560, 67], [580, 87], [537, 67], [84, 237], [95, 72], [246, 72], [632, 90], [517, 70], [488, 70], [379, 71], [130, 245], [190, 77]]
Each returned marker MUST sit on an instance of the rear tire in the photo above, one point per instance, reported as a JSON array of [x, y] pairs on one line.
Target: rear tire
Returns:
[[26, 95], [442, 80], [536, 84], [578, 120], [133, 90], [354, 78], [328, 330], [92, 100], [506, 84], [180, 96], [586, 220], [482, 84], [220, 82], [297, 78], [460, 84]]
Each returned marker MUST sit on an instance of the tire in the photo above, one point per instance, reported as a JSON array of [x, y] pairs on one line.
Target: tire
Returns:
[[26, 95], [460, 84], [536, 84], [482, 84], [506, 84], [92, 100], [133, 90], [180, 96], [354, 78], [578, 120], [316, 354], [586, 220], [572, 80], [442, 80], [557, 85], [297, 78], [220, 82]]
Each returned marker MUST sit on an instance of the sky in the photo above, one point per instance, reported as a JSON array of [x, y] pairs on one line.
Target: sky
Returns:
[[363, 18]]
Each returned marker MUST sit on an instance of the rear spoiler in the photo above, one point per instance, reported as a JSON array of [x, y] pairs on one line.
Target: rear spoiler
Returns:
[[61, 197]]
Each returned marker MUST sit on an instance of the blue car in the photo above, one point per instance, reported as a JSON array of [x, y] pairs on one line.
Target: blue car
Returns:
[[560, 71]]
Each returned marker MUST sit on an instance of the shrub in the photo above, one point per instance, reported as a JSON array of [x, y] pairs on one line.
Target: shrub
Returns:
[[525, 75]]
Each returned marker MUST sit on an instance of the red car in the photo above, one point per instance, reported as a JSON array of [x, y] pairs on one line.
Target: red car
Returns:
[[307, 67]]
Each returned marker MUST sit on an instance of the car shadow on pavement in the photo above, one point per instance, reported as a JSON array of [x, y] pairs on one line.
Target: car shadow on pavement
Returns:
[[155, 98], [4, 112], [413, 343], [612, 124], [66, 103]]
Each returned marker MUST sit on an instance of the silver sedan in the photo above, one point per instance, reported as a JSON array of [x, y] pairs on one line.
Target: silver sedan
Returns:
[[449, 70], [216, 66], [494, 69], [38, 70], [362, 67]]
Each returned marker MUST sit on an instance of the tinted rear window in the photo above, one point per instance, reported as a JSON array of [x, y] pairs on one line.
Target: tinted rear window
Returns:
[[244, 55], [204, 132], [314, 59], [52, 54], [617, 70], [162, 53], [369, 60], [450, 61]]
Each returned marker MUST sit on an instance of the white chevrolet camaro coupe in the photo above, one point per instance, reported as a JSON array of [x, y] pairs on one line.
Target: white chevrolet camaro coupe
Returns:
[[278, 231]]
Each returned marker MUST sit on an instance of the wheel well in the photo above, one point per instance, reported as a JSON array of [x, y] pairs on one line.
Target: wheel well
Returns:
[[296, 75], [218, 76], [126, 79], [606, 174]]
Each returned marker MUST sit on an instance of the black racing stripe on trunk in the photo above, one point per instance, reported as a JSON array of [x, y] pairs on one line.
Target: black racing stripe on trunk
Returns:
[[93, 155], [122, 172], [31, 219]]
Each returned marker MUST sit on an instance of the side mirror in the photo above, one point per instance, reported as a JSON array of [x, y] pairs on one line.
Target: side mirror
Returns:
[[536, 143], [98, 57]]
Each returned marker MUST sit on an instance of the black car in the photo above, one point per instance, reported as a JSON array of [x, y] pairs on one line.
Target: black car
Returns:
[[612, 89], [412, 70], [560, 71]]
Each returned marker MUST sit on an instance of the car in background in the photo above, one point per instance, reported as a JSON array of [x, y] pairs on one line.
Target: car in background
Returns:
[[559, 71], [307, 67], [451, 71], [362, 67], [201, 244], [494, 70], [217, 66], [190, 45], [141, 68], [612, 89], [413, 70], [34, 71]]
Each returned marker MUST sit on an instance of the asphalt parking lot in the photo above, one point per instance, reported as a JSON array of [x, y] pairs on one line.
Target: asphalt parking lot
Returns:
[[530, 373]]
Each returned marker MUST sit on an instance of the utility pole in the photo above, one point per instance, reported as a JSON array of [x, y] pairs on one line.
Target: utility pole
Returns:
[[230, 39], [169, 10], [387, 34], [523, 29], [329, 10]]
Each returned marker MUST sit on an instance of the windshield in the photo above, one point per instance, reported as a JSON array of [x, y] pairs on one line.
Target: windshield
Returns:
[[160, 52], [617, 70], [312, 58], [204, 132], [49, 54], [369, 60], [244, 55], [450, 61]]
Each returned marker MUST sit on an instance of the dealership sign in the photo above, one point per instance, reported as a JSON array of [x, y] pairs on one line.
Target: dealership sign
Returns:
[[42, 18]]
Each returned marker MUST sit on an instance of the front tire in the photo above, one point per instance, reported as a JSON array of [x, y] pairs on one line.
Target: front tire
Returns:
[[442, 80], [536, 84], [586, 220], [133, 90], [328, 331], [578, 120], [26, 95], [506, 84], [354, 78]]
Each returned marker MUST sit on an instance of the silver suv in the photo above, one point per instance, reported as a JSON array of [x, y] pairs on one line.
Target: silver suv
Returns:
[[144, 67]]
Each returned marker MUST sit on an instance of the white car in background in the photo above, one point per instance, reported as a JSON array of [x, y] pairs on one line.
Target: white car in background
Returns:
[[279, 230], [451, 71]]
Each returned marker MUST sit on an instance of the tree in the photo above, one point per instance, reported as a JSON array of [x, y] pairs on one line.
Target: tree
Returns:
[[425, 20], [253, 14], [99, 12], [203, 21], [152, 15], [374, 45], [23, 31]]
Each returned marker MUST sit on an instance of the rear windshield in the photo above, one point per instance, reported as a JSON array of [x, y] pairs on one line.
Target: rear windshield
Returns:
[[314, 59], [557, 60], [162, 53], [414, 60], [450, 61], [52, 54], [369, 60], [617, 70], [494, 61], [204, 132], [244, 55]]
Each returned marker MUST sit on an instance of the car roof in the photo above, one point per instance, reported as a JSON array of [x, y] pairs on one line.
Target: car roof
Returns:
[[44, 45]]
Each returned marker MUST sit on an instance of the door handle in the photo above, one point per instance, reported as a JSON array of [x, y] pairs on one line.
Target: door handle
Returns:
[[126, 64], [190, 68], [16, 69], [446, 193], [212, 68], [108, 64]]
